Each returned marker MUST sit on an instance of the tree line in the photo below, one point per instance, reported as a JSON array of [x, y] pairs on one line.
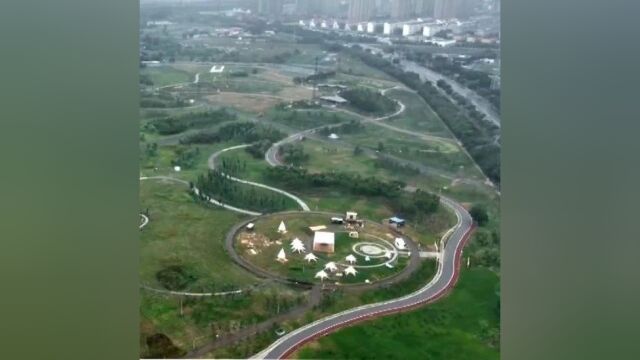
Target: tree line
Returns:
[[369, 101], [246, 132], [215, 185], [477, 137], [178, 124]]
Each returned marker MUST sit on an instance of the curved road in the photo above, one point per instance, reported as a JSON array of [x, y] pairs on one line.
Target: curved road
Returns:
[[212, 165], [445, 278]]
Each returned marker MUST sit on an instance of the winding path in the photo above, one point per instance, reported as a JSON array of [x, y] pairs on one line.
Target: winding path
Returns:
[[442, 282], [212, 165]]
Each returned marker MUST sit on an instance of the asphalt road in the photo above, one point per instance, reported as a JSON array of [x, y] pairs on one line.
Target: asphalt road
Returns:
[[445, 278]]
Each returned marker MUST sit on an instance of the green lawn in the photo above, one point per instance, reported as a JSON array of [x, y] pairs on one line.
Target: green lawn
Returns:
[[462, 326], [417, 116], [166, 75]]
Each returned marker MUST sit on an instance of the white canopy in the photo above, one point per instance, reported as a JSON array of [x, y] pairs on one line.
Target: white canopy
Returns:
[[281, 228], [321, 275], [281, 256], [387, 254], [296, 241], [297, 247], [350, 271], [331, 266], [350, 259], [311, 257]]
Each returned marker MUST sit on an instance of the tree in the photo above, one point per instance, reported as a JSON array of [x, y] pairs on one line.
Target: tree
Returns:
[[380, 146], [479, 214], [357, 150]]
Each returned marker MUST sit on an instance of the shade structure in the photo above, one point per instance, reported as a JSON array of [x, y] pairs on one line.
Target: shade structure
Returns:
[[296, 241], [321, 275], [311, 257], [282, 257], [297, 247], [350, 271], [281, 228], [350, 259], [331, 266]]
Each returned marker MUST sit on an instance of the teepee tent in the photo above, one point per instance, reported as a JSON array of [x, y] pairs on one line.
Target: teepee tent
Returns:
[[350, 259], [281, 228], [331, 266], [350, 271], [282, 257], [311, 257], [321, 275]]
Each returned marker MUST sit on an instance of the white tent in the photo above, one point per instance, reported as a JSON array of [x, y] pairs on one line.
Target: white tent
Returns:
[[321, 275], [331, 266], [296, 241], [350, 259], [281, 228], [350, 271], [281, 256], [400, 243], [311, 257], [297, 247], [387, 254]]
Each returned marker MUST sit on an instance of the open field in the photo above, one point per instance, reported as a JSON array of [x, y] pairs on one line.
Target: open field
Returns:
[[462, 326], [418, 116]]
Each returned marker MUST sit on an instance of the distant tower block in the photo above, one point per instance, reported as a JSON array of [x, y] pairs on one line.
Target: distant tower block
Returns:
[[281, 228]]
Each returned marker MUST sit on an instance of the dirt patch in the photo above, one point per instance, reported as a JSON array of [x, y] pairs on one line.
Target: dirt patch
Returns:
[[255, 103], [275, 76], [253, 243], [296, 93]]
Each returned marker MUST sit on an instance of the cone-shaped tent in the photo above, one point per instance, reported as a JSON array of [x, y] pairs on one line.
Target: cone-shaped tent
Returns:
[[311, 257], [350, 271], [281, 228], [282, 257], [331, 266], [350, 259], [321, 275]]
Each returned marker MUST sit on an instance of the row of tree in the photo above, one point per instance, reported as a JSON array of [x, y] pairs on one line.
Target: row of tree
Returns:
[[369, 101], [215, 185], [180, 123], [247, 132]]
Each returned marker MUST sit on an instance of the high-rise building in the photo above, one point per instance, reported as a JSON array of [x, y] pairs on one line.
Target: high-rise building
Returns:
[[424, 8], [402, 9], [361, 10], [445, 9], [270, 8]]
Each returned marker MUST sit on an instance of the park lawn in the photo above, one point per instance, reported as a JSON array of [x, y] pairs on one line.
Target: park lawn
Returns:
[[166, 75], [300, 119], [325, 156], [352, 66], [461, 326], [418, 116], [182, 232]]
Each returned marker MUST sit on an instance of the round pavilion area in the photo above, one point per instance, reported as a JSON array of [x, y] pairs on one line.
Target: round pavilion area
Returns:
[[318, 247]]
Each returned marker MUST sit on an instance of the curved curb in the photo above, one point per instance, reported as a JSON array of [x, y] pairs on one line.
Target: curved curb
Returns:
[[211, 163], [145, 221], [181, 293]]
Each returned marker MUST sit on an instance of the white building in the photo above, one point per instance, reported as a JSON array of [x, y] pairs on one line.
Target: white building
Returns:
[[371, 27], [388, 28], [324, 241], [360, 28]]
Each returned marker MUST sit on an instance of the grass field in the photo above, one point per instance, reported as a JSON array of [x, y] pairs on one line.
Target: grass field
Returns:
[[166, 75], [418, 116], [462, 326]]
